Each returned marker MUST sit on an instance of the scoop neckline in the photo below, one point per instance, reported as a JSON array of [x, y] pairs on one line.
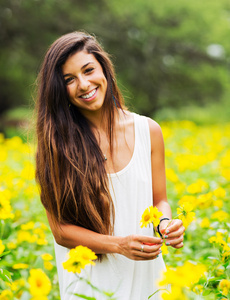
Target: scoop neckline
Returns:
[[133, 155]]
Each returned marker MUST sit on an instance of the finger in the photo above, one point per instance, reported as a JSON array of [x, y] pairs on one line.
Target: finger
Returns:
[[174, 234], [180, 245], [150, 248], [145, 248], [175, 225], [149, 240], [163, 225], [139, 255], [175, 241]]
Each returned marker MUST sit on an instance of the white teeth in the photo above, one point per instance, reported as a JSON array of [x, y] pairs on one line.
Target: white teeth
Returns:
[[88, 95]]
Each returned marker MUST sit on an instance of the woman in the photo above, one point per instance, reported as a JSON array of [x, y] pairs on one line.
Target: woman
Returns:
[[99, 167]]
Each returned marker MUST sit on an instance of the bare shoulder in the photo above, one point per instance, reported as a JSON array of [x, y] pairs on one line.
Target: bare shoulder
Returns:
[[156, 135], [155, 129]]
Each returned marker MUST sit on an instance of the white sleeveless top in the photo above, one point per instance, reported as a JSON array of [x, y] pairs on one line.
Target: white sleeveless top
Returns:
[[131, 190]]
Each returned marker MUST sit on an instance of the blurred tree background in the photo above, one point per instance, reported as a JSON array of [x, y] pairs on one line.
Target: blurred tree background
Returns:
[[172, 58]]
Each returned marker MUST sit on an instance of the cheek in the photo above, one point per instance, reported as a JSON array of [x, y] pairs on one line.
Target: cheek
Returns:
[[70, 91], [104, 82]]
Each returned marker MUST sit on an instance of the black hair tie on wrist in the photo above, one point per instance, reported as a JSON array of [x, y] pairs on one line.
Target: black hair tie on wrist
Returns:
[[158, 227]]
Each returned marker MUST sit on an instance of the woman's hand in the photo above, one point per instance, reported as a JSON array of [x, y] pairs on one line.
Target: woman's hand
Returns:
[[138, 247], [174, 233]]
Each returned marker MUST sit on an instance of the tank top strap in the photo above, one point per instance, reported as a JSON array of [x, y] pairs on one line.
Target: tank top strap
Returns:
[[142, 136]]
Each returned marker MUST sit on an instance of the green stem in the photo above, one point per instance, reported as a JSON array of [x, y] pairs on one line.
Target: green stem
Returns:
[[87, 281], [2, 228]]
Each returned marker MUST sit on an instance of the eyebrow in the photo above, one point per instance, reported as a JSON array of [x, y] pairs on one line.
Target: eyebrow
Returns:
[[81, 68]]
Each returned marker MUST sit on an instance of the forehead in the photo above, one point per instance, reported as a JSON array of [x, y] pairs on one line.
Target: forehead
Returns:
[[78, 60]]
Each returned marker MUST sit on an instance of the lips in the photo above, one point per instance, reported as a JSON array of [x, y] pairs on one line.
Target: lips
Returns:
[[89, 96]]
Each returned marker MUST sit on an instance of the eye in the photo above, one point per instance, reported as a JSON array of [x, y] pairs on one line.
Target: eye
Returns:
[[89, 70], [68, 80]]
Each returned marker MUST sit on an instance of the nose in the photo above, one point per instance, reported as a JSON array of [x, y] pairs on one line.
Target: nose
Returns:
[[83, 83]]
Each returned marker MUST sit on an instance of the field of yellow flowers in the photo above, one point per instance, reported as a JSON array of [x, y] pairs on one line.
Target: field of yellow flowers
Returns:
[[198, 173]]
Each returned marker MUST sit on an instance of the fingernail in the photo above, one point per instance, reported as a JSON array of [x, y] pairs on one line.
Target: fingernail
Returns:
[[157, 255], [165, 236], [167, 243], [167, 231]]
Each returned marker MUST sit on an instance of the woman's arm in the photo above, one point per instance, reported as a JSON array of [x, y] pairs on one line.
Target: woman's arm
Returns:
[[176, 229], [70, 236]]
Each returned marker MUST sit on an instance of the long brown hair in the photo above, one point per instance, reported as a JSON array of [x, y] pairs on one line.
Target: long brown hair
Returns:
[[70, 166]]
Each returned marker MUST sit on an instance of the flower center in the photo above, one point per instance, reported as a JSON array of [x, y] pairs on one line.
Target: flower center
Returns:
[[39, 283], [146, 218]]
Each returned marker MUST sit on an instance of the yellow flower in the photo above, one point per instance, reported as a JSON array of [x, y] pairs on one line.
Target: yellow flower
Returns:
[[6, 295], [3, 155], [47, 256], [78, 258], [204, 200], [198, 289], [48, 265], [164, 249], [17, 284], [183, 276], [25, 236], [197, 187], [171, 175], [14, 143], [186, 214], [11, 245], [226, 174], [150, 215], [39, 231], [226, 247], [224, 286], [219, 192], [180, 188], [40, 284], [218, 203], [20, 266], [28, 172], [2, 247], [40, 298], [42, 242], [225, 256], [40, 236], [186, 199], [27, 226], [5, 207], [205, 223], [219, 239], [44, 226], [176, 293], [220, 215]]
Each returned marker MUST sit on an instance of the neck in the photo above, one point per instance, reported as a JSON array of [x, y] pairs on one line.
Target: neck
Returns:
[[100, 121]]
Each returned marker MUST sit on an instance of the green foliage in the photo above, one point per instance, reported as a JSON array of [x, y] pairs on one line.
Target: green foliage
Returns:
[[5, 275], [197, 170], [167, 53]]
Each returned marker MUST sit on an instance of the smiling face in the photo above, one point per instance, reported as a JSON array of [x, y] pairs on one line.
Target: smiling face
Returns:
[[85, 81]]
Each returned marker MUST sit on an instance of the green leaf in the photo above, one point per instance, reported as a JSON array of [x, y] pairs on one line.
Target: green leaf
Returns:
[[4, 253], [5, 275], [206, 292], [213, 257], [84, 297], [157, 292]]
